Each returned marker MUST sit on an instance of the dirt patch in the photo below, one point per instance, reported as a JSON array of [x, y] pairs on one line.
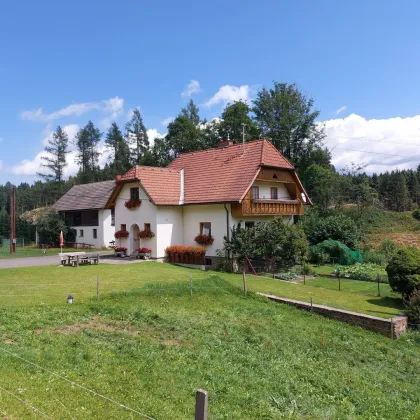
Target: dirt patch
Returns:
[[9, 341], [400, 238]]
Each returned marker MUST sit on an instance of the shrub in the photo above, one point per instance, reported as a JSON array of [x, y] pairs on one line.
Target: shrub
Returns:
[[373, 257], [416, 213], [388, 248], [366, 272], [286, 276], [318, 256], [338, 227], [404, 272], [412, 309]]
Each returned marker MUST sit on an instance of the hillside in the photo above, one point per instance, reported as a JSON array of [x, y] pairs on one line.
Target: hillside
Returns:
[[378, 225]]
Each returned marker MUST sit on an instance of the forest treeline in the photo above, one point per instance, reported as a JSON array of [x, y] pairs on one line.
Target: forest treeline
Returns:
[[282, 113]]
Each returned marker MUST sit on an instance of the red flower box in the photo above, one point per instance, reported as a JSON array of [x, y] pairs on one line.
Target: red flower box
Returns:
[[132, 204], [121, 234], [120, 249], [143, 234], [144, 250], [186, 254], [204, 239]]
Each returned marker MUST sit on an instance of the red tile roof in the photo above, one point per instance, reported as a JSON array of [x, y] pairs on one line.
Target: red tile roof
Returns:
[[210, 176], [163, 185], [225, 174]]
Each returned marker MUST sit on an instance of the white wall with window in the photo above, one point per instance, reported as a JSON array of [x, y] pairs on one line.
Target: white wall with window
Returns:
[[145, 213]]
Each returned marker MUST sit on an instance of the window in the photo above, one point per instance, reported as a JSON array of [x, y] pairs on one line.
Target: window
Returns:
[[81, 233], [134, 194], [274, 194], [249, 225], [123, 227], [95, 233], [147, 227], [255, 193], [113, 217], [205, 228]]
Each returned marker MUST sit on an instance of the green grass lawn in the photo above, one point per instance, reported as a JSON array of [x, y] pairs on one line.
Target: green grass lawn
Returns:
[[323, 269], [52, 285], [150, 345], [36, 252]]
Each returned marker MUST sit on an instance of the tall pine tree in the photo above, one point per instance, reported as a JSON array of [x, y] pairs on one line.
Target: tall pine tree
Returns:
[[87, 141], [55, 161], [136, 134], [120, 151]]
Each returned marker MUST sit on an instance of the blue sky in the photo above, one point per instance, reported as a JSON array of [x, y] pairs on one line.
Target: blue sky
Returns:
[[66, 63]]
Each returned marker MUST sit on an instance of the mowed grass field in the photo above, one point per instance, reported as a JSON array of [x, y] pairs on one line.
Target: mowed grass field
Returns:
[[149, 345], [30, 251]]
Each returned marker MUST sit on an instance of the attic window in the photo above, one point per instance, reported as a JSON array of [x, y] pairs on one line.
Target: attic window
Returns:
[[274, 176]]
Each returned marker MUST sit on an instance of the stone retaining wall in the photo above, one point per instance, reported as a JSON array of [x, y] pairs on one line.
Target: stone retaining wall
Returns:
[[392, 328]]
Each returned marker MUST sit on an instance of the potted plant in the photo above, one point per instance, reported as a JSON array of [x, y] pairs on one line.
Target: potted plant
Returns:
[[204, 240], [146, 234], [120, 251], [132, 204], [144, 253]]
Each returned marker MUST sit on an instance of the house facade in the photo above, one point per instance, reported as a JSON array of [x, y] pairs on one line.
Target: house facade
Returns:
[[206, 192], [83, 206]]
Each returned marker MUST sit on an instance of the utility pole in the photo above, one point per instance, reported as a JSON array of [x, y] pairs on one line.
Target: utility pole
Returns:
[[12, 219]]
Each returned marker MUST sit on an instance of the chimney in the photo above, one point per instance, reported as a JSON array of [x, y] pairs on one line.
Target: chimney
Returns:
[[117, 178], [224, 143]]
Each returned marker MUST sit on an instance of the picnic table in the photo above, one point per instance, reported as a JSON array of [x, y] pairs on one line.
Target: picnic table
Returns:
[[74, 259]]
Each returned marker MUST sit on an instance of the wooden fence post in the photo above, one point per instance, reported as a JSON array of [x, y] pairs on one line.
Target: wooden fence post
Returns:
[[190, 285], [97, 287], [201, 403]]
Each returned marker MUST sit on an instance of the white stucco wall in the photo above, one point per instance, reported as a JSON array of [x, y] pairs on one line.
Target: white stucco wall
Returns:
[[169, 228], [88, 235], [146, 213], [265, 190], [107, 231], [215, 214]]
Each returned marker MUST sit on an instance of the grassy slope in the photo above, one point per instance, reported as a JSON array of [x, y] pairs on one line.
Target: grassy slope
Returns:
[[51, 285], [401, 227], [257, 359]]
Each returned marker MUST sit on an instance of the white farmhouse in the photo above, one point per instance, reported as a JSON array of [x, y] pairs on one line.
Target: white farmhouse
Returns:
[[206, 192], [83, 206]]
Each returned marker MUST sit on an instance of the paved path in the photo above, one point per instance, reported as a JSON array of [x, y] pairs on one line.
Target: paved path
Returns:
[[35, 261]]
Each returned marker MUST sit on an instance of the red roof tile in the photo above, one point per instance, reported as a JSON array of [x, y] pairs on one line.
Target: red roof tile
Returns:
[[162, 184], [210, 176], [225, 174]]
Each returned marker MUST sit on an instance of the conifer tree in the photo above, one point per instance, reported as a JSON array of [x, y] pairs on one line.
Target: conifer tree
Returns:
[[120, 151], [137, 137]]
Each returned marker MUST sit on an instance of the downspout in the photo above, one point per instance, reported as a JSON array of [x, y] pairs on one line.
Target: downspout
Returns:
[[227, 227]]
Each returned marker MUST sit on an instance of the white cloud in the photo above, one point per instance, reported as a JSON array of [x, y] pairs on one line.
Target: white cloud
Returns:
[[228, 93], [112, 107], [152, 134], [167, 121], [341, 109], [70, 129], [382, 144], [191, 89]]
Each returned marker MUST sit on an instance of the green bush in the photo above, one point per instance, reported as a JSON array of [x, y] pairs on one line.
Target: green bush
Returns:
[[373, 257], [388, 248], [416, 213], [366, 272], [338, 227], [336, 250], [404, 272], [412, 310]]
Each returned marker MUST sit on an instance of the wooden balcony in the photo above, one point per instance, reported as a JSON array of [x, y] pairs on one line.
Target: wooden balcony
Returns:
[[250, 207]]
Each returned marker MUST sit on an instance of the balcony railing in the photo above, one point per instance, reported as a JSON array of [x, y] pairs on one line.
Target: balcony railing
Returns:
[[266, 207]]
